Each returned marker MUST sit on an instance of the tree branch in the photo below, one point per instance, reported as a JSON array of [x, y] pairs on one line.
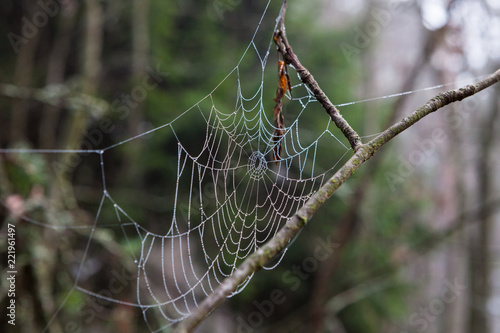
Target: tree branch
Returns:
[[292, 227], [290, 58], [350, 219]]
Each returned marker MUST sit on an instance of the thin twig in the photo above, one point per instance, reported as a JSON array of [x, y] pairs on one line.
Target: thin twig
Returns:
[[293, 226], [290, 58]]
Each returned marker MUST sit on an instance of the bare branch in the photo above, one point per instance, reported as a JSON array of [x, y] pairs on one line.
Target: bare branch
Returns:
[[290, 58], [274, 246], [350, 219]]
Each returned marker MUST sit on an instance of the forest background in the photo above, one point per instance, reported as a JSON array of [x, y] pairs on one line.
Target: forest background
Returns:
[[416, 231]]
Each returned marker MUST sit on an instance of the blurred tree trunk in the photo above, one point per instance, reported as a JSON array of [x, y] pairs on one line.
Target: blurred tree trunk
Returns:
[[480, 244], [455, 251], [55, 73], [91, 69], [23, 76], [140, 60]]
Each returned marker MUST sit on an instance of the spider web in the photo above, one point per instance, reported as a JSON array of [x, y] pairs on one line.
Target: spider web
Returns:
[[235, 196], [227, 198]]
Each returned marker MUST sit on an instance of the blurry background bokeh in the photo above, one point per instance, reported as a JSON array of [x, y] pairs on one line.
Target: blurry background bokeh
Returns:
[[416, 230]]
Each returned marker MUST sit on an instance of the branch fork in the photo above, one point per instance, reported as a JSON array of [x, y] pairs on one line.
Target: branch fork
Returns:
[[291, 59]]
